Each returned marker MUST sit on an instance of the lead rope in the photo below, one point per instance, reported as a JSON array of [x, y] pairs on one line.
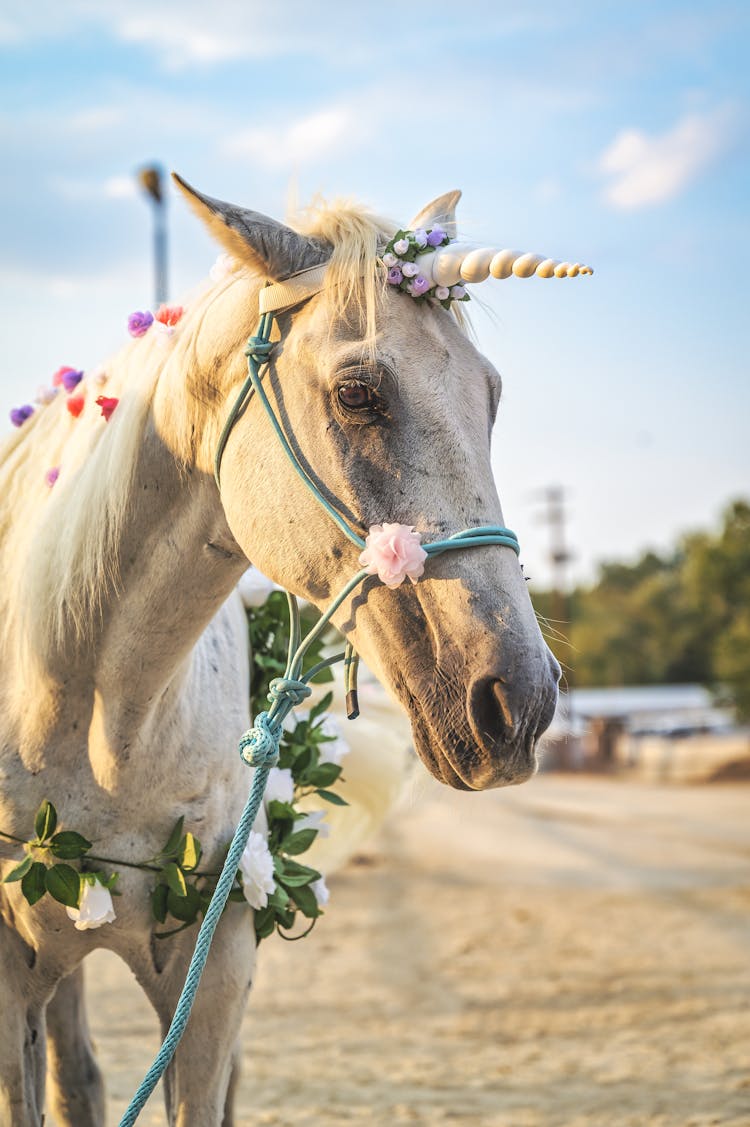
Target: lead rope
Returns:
[[259, 746]]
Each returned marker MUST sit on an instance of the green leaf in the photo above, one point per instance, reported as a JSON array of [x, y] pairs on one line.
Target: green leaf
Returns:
[[281, 810], [45, 820], [68, 844], [279, 898], [159, 903], [304, 898], [64, 885], [265, 921], [322, 775], [298, 842], [175, 878], [322, 706], [185, 907], [332, 797], [20, 871], [292, 874], [174, 838], [189, 853], [285, 918], [33, 884]]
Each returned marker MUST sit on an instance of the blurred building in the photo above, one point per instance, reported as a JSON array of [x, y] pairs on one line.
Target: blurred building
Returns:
[[673, 732]]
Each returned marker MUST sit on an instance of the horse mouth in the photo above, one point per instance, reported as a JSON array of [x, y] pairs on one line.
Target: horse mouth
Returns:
[[467, 753]]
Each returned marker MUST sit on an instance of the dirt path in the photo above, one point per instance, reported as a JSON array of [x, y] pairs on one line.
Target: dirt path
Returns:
[[571, 953]]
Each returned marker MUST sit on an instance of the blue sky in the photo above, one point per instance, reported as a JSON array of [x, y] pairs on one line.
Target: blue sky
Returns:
[[615, 135]]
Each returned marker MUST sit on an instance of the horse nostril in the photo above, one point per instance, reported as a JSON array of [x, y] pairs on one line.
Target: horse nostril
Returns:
[[492, 709]]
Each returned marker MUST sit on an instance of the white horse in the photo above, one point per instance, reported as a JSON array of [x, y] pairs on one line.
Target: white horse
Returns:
[[124, 648]]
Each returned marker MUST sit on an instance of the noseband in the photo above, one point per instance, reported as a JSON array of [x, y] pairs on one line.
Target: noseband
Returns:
[[259, 746]]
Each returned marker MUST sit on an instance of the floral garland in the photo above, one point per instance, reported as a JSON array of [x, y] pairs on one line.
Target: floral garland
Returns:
[[270, 878], [400, 259]]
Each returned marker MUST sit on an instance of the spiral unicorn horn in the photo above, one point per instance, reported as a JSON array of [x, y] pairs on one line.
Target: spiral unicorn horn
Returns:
[[464, 262]]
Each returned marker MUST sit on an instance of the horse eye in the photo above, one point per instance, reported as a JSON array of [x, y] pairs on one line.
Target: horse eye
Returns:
[[356, 396]]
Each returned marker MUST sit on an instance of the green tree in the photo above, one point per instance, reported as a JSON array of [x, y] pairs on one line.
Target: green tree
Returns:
[[676, 618]]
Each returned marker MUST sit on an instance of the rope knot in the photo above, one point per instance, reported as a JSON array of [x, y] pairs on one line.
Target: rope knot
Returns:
[[259, 747], [258, 349], [287, 689]]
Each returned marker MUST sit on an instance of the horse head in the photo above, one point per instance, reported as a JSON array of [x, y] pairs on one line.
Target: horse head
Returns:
[[389, 409]]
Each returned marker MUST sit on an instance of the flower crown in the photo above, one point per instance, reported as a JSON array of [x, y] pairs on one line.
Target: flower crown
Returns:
[[400, 259]]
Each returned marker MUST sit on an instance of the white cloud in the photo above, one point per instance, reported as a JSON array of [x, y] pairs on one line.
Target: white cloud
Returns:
[[300, 142], [647, 170], [113, 188]]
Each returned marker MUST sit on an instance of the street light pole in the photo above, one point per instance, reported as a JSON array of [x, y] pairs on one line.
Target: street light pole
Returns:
[[151, 179]]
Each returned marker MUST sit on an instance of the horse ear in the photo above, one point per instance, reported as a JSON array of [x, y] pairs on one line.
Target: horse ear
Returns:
[[269, 247], [442, 210]]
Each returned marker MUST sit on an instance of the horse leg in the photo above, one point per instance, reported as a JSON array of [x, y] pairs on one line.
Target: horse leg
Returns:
[[198, 1083], [234, 1079], [22, 1037], [77, 1089]]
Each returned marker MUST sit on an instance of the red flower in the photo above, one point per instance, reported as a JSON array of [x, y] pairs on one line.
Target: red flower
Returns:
[[169, 314], [75, 404], [107, 404]]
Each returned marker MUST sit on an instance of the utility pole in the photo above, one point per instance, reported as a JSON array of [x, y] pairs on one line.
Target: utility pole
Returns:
[[554, 516], [151, 179]]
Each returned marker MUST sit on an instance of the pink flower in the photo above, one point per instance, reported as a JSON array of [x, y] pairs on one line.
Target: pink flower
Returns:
[[393, 551], [169, 314], [45, 395], [52, 475], [107, 405]]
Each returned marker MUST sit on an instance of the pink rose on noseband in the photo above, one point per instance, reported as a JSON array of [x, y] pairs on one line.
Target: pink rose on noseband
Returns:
[[392, 552]]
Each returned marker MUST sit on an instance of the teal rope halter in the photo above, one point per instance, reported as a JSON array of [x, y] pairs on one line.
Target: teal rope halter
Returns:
[[259, 746]]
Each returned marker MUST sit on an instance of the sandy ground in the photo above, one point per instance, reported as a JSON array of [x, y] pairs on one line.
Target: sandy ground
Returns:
[[571, 952]]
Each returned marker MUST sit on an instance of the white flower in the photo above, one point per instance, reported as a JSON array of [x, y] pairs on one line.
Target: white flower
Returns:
[[410, 269], [95, 907], [223, 267], [315, 820], [442, 293], [402, 246], [256, 867], [420, 237], [320, 890], [333, 750], [45, 395], [255, 587], [458, 292], [280, 785], [389, 260]]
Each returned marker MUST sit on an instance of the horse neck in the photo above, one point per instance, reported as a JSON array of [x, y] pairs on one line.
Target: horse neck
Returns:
[[128, 563]]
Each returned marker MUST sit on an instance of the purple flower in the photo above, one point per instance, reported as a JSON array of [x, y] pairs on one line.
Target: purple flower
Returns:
[[435, 237], [52, 475], [410, 269], [442, 293], [71, 378], [457, 292], [19, 415], [390, 260], [420, 237], [395, 277], [401, 247], [420, 285], [139, 323]]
